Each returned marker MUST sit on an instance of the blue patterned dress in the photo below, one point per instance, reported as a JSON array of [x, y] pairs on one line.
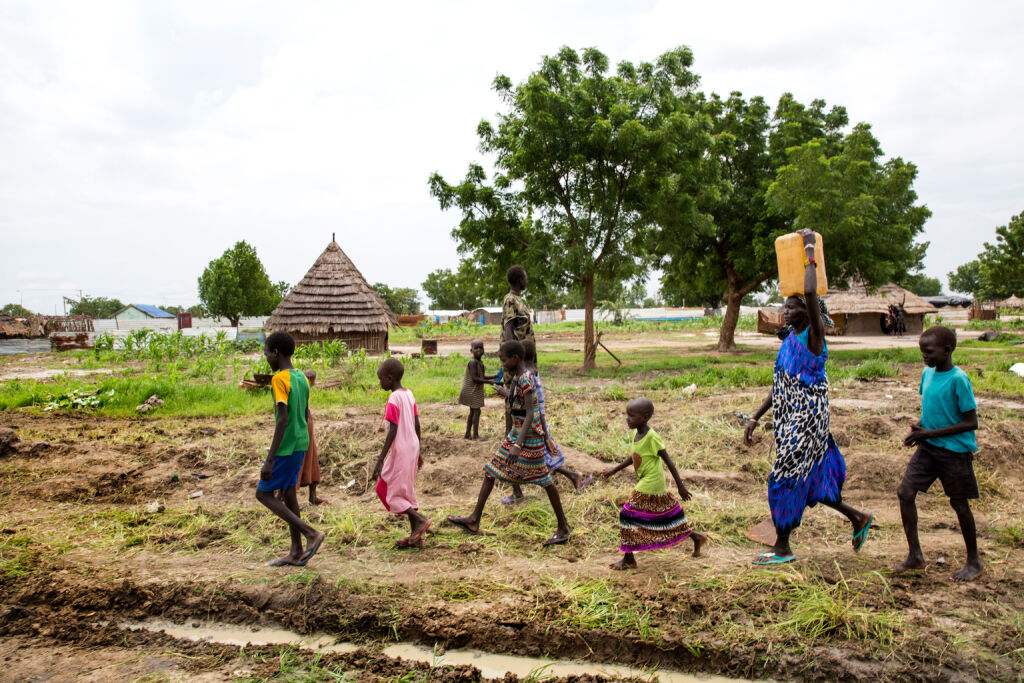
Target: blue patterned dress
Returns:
[[808, 469]]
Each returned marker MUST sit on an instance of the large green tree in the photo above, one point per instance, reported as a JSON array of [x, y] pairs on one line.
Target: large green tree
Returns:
[[578, 152], [464, 289], [969, 279], [719, 244], [236, 285], [921, 284], [1002, 262], [96, 307], [401, 300], [16, 311]]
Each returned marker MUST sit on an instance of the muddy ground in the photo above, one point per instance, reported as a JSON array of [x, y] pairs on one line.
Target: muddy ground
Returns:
[[84, 550]]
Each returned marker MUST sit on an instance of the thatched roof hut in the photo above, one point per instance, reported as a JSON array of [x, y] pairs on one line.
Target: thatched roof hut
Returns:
[[334, 301], [1014, 302], [861, 311], [12, 328]]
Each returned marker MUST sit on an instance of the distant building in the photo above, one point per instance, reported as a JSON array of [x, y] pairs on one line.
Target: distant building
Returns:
[[487, 315], [141, 312], [860, 310]]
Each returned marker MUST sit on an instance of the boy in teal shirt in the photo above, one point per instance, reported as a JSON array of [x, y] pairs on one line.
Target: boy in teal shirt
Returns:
[[945, 449], [281, 468]]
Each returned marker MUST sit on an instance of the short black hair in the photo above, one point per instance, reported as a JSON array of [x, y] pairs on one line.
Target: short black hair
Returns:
[[529, 352], [513, 347], [282, 342], [393, 367], [515, 275], [642, 405], [941, 334]]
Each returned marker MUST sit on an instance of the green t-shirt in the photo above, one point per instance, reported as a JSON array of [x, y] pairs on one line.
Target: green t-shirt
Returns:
[[651, 473], [945, 397], [291, 388]]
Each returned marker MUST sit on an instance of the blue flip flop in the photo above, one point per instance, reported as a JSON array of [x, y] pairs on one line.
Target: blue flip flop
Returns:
[[861, 537], [772, 558], [310, 552]]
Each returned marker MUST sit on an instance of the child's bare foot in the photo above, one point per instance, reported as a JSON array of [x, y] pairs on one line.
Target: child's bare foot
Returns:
[[912, 562], [468, 525], [698, 542], [970, 571], [627, 562]]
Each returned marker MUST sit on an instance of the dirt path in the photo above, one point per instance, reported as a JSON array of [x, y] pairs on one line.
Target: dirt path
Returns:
[[82, 550]]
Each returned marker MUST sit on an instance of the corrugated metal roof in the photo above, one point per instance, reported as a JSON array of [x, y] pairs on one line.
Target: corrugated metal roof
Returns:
[[151, 311]]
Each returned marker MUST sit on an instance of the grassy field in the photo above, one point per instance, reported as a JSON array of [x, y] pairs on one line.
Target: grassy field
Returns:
[[82, 550]]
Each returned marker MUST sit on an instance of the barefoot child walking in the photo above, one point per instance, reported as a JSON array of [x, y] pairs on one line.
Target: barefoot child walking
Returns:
[[472, 394], [287, 449], [553, 456], [520, 457], [400, 458], [945, 449], [652, 517]]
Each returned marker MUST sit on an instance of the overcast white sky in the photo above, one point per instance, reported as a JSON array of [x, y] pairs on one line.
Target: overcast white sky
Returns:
[[139, 140]]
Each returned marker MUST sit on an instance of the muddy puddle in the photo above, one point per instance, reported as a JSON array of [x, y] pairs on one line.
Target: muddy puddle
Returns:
[[230, 634], [490, 665], [496, 666]]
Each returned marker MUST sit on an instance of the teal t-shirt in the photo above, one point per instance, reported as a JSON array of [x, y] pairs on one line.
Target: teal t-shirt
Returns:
[[651, 473], [945, 397]]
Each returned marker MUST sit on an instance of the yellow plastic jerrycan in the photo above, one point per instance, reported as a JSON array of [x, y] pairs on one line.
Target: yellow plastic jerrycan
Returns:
[[790, 251]]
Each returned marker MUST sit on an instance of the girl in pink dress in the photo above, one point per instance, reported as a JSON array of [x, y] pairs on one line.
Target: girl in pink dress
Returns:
[[396, 476]]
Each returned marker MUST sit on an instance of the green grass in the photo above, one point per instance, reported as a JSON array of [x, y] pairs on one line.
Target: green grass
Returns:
[[820, 611]]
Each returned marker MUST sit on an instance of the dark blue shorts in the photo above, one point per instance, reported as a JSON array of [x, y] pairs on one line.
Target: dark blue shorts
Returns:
[[285, 473]]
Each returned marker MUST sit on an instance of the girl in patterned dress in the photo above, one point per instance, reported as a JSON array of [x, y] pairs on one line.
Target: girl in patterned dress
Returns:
[[553, 455], [520, 457], [472, 394], [808, 468], [651, 518]]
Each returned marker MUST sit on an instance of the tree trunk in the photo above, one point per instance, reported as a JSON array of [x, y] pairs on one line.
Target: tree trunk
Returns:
[[234, 321], [589, 347], [727, 335]]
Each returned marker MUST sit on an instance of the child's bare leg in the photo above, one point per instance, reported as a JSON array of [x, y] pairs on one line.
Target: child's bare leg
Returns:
[[517, 492], [289, 513], [313, 500], [698, 542], [556, 505], [476, 423], [469, 425], [908, 513], [472, 522], [627, 562], [574, 477], [781, 547], [416, 520], [858, 518], [972, 568]]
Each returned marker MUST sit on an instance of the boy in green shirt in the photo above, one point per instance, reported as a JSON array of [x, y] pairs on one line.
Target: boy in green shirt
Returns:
[[281, 468], [945, 449]]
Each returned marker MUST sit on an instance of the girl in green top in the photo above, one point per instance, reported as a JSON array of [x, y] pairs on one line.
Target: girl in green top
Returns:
[[652, 517]]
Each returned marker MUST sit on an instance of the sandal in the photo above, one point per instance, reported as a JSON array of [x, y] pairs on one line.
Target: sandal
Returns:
[[772, 558], [861, 537], [558, 539], [509, 500], [585, 483]]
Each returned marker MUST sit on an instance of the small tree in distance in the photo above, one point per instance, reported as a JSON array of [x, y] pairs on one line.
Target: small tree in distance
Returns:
[[401, 300], [237, 285], [16, 311], [96, 307]]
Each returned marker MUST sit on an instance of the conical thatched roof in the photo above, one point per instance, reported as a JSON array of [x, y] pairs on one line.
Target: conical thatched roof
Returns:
[[333, 298], [1013, 302], [859, 299]]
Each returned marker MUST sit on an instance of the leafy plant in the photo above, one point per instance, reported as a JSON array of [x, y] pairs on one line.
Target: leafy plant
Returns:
[[77, 399]]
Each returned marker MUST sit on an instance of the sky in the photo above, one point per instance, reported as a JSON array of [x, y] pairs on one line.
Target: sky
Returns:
[[139, 140]]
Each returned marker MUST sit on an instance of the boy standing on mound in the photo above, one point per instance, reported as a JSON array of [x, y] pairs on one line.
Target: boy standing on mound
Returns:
[[287, 449], [945, 449]]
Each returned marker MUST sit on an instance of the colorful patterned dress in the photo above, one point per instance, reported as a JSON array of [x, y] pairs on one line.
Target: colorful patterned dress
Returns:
[[808, 469], [652, 517], [529, 466], [556, 459]]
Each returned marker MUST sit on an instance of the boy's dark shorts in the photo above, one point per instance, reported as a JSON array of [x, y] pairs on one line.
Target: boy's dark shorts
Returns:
[[954, 470], [285, 473]]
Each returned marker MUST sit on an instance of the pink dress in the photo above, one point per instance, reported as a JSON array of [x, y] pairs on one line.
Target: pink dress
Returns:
[[398, 476]]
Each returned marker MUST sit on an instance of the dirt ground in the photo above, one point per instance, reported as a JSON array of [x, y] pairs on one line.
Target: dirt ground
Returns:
[[102, 523]]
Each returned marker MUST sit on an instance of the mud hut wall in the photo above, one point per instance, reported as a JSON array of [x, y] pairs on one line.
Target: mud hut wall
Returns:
[[870, 324], [373, 342]]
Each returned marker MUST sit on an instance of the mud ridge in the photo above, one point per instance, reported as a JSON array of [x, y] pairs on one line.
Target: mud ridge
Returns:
[[55, 606]]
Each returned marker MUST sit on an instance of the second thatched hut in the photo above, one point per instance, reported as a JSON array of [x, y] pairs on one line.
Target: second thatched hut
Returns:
[[861, 311], [334, 301]]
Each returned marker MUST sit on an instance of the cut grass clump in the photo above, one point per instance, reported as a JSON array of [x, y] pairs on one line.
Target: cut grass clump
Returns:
[[594, 604], [877, 369], [822, 611]]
